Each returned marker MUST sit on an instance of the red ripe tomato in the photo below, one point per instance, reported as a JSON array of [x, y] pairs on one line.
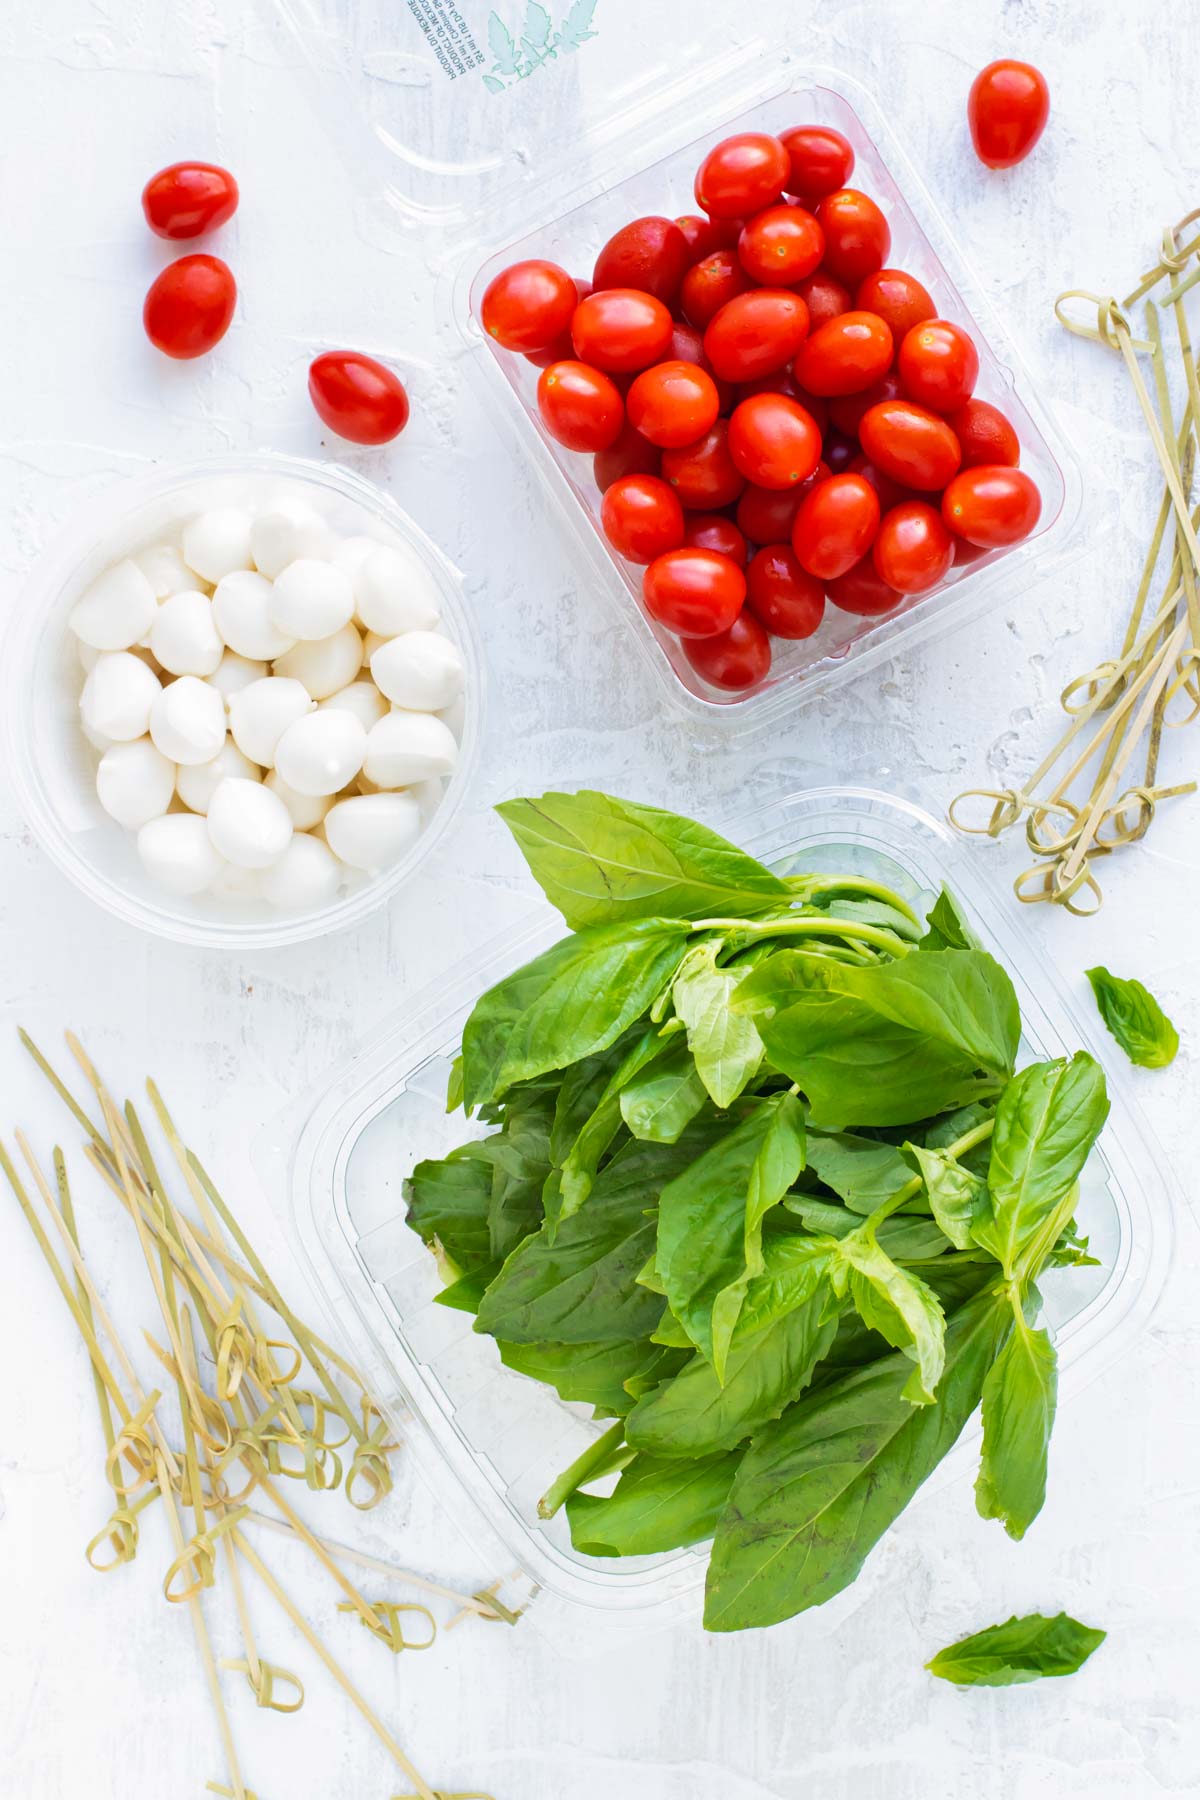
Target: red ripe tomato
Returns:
[[629, 454], [836, 525], [857, 236], [713, 531], [528, 306], [650, 254], [756, 333], [696, 593], [741, 175], [621, 329], [890, 492], [673, 404], [773, 441], [581, 407], [839, 451], [844, 357], [780, 246], [687, 345], [704, 474], [898, 298], [913, 446], [913, 550], [939, 365], [985, 434], [562, 349], [766, 514], [642, 517], [703, 235], [824, 297], [863, 591], [189, 306], [1007, 110], [992, 506], [789, 601], [709, 285], [189, 198], [357, 397], [847, 410], [821, 159], [736, 659]]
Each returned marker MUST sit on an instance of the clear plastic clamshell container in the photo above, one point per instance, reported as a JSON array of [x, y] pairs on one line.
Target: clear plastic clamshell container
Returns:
[[493, 1440]]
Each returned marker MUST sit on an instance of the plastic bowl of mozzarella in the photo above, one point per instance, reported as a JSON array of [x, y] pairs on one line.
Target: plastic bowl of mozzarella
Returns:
[[244, 700]]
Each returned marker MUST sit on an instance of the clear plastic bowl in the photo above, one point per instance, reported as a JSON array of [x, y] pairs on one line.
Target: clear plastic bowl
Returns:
[[53, 767], [493, 1440]]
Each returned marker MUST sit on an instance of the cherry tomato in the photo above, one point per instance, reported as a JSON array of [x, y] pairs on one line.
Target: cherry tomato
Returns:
[[992, 506], [839, 451], [913, 446], [890, 492], [780, 246], [821, 161], [703, 235], [849, 354], [773, 441], [620, 330], [939, 365], [789, 601], [1007, 110], [189, 198], [709, 285], [687, 345], [357, 397], [529, 305], [650, 254], [857, 236], [673, 404], [741, 175], [836, 525], [642, 517], [863, 591], [898, 298], [766, 514], [756, 333], [696, 593], [713, 531], [985, 434], [847, 410], [562, 349], [704, 474], [581, 407], [734, 660], [629, 454], [189, 306], [824, 297], [913, 550]]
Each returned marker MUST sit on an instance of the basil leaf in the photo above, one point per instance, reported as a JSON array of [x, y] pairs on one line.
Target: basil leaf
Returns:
[[1020, 1650], [895, 1303], [670, 1331], [579, 1093], [904, 1237], [594, 1373], [465, 1294], [656, 1505], [1135, 1018], [863, 1171], [448, 1202], [601, 861], [520, 1159], [658, 1103], [1019, 1399], [597, 1132], [957, 1198], [725, 1045], [947, 929]]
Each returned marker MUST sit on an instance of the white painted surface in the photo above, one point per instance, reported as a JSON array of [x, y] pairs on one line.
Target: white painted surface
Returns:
[[99, 1691]]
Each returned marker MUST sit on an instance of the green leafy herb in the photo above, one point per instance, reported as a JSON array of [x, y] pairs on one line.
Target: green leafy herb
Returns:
[[1135, 1018], [1019, 1400], [656, 1505], [1020, 1650]]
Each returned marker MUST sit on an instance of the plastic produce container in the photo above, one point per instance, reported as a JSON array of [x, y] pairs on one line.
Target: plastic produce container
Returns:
[[52, 764], [492, 1440]]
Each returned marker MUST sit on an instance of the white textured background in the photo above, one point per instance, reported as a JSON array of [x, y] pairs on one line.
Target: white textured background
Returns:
[[99, 1693]]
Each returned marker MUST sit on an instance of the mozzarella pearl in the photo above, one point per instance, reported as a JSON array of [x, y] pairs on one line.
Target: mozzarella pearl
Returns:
[[117, 610], [326, 665], [96, 739], [183, 637], [135, 783], [352, 552], [370, 831], [242, 615], [218, 542], [307, 810], [236, 884], [284, 531], [372, 641], [248, 824], [187, 721], [322, 753], [363, 699], [422, 670], [307, 875], [408, 746], [177, 853], [260, 714], [395, 592], [118, 696], [198, 783], [235, 672], [165, 570], [428, 796], [312, 599]]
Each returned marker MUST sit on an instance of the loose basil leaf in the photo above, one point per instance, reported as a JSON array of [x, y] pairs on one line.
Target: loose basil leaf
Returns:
[[895, 1303], [454, 1086], [656, 1505], [465, 1294], [1020, 1650], [957, 1198], [725, 1045], [1135, 1018], [595, 1373], [448, 1202], [1019, 1399], [947, 929], [905, 1238], [657, 1104], [864, 1171]]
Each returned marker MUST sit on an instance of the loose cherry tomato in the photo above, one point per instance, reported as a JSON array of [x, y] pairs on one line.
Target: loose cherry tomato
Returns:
[[696, 593], [898, 298], [1007, 110], [562, 349], [620, 330], [780, 245], [985, 434], [766, 514], [189, 198], [357, 397], [939, 365], [839, 451], [742, 175], [189, 306], [821, 160], [703, 235], [709, 285], [849, 354], [673, 404], [629, 454], [789, 601], [913, 446], [650, 254], [704, 474], [581, 407], [687, 345], [528, 306], [713, 531], [992, 506], [642, 517], [863, 591], [824, 297], [857, 236], [773, 441], [890, 492], [913, 550], [847, 410], [756, 333], [734, 660], [836, 525]]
